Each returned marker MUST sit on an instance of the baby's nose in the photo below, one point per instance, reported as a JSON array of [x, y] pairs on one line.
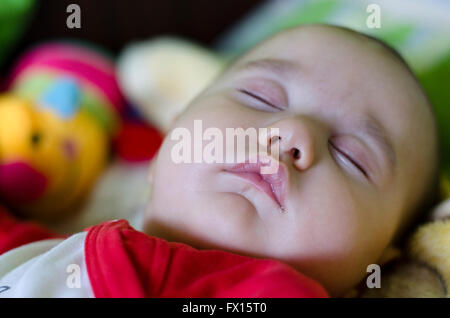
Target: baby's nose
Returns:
[[295, 141]]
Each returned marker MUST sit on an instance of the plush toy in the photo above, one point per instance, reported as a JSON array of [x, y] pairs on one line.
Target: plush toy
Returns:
[[158, 77], [61, 109], [161, 76], [424, 269]]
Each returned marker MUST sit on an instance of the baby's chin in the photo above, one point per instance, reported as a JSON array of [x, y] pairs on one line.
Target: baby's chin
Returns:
[[243, 232]]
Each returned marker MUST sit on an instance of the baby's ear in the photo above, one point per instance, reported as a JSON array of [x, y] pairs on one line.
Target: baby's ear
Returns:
[[390, 253]]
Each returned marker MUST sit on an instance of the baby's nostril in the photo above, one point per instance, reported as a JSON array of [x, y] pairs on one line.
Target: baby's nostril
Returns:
[[295, 153]]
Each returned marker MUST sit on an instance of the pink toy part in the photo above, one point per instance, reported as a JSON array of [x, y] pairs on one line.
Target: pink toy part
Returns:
[[21, 183], [83, 63]]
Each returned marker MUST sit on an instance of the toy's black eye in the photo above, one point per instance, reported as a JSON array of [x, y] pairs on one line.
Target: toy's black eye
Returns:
[[35, 139]]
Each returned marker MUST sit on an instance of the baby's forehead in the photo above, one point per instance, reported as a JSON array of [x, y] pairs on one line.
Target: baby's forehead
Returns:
[[314, 43], [334, 55]]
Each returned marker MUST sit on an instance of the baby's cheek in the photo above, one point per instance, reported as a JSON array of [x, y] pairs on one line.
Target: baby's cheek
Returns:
[[332, 222], [334, 244]]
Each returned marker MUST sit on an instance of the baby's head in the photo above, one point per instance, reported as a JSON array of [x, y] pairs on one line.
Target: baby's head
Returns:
[[358, 153]]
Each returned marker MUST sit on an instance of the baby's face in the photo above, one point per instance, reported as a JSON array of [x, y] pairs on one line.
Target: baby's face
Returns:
[[356, 139]]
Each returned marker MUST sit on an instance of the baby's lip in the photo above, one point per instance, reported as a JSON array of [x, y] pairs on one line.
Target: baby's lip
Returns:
[[273, 184]]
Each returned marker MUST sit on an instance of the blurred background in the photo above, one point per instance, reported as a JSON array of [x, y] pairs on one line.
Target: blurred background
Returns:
[[112, 24]]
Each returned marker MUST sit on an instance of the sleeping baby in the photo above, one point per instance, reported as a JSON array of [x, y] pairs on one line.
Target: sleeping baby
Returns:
[[354, 141]]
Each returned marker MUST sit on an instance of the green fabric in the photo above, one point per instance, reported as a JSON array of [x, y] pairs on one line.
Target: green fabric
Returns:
[[14, 14], [436, 81], [310, 12], [396, 36]]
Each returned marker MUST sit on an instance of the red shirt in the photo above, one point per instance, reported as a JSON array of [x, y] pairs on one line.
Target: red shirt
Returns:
[[123, 262]]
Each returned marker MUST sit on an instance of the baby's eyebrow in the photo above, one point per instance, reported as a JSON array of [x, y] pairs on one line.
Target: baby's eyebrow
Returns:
[[372, 127], [280, 67]]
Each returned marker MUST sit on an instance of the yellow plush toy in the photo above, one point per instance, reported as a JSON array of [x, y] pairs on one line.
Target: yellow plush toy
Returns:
[[56, 119], [431, 245], [424, 270], [160, 76]]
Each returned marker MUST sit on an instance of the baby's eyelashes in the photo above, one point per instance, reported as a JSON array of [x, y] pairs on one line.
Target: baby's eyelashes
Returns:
[[351, 153], [348, 158], [271, 107], [264, 94]]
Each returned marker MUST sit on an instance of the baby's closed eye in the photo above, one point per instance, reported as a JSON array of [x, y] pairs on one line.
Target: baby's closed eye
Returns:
[[263, 94]]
